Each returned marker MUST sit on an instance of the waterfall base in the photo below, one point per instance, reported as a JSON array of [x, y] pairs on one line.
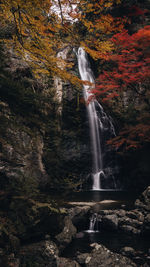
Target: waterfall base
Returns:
[[97, 180], [102, 180], [107, 190], [94, 224], [91, 231]]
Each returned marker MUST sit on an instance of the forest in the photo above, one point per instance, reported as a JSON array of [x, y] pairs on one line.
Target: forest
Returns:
[[74, 133]]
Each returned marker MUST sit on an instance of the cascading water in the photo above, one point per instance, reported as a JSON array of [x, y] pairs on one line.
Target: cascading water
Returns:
[[93, 226], [100, 124]]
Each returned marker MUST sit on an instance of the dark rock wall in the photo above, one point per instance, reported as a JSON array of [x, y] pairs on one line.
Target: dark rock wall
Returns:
[[21, 133], [44, 132], [71, 144]]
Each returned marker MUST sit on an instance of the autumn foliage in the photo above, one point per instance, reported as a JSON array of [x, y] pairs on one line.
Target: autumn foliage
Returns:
[[99, 25], [127, 82], [34, 30], [36, 35], [37, 32], [130, 64]]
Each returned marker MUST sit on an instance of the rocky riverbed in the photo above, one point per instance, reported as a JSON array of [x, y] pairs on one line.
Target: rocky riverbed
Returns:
[[37, 234]]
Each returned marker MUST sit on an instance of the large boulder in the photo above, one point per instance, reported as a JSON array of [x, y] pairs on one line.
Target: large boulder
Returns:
[[143, 203], [110, 222], [68, 233], [103, 257], [41, 254], [79, 216], [64, 262], [30, 219], [146, 228]]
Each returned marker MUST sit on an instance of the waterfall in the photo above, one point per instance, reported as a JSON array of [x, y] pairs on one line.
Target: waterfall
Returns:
[[93, 226], [99, 123]]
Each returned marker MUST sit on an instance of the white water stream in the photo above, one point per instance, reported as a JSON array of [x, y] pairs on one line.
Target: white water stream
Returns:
[[98, 124]]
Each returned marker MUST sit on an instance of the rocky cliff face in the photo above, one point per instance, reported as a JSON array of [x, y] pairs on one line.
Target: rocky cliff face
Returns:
[[21, 132], [71, 148], [21, 151], [44, 132]]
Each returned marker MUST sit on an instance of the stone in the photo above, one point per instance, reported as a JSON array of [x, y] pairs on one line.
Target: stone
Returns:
[[96, 208], [129, 229], [14, 243], [103, 257], [12, 261], [41, 254], [64, 262], [69, 231], [121, 213], [146, 225], [147, 218], [139, 261], [143, 202], [146, 265], [132, 214], [128, 251], [105, 212], [110, 222], [35, 218], [78, 215], [82, 258]]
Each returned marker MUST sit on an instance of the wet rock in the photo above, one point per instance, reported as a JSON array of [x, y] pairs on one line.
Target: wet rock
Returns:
[[103, 257], [41, 254], [82, 258], [2, 257], [121, 213], [12, 261], [139, 261], [131, 225], [69, 231], [135, 214], [96, 208], [4, 236], [33, 219], [8, 241], [21, 156], [130, 230], [64, 262], [143, 202], [146, 265], [14, 243], [146, 226], [105, 212], [128, 251], [148, 260], [78, 216], [110, 222]]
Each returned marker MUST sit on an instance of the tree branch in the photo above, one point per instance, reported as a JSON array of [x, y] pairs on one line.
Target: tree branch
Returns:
[[61, 13]]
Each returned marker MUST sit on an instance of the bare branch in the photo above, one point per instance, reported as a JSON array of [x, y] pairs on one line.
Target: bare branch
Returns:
[[61, 13]]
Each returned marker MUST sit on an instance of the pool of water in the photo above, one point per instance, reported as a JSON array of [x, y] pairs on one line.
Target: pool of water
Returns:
[[101, 195], [107, 199]]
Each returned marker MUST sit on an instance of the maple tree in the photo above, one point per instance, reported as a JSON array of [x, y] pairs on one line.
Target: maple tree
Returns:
[[99, 24], [130, 64], [38, 32], [35, 35], [127, 80]]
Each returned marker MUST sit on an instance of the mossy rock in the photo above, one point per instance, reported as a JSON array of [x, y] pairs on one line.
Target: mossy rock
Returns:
[[33, 219]]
